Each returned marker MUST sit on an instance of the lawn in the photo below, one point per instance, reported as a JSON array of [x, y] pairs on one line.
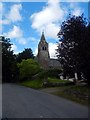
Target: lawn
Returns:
[[36, 84], [54, 80]]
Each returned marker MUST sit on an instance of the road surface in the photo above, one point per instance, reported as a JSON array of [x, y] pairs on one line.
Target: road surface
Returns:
[[23, 102], [0, 101]]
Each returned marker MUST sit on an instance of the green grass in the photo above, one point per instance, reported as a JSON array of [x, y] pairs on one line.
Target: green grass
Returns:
[[68, 93], [53, 80], [36, 84]]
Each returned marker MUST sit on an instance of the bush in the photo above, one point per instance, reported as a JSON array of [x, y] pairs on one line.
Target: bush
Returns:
[[28, 68], [54, 73]]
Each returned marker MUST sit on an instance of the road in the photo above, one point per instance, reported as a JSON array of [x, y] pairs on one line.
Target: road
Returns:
[[0, 100], [22, 102]]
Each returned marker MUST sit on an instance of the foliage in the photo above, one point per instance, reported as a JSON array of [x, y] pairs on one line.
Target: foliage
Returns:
[[44, 74], [54, 72], [28, 68], [26, 54], [74, 50], [9, 68], [86, 55]]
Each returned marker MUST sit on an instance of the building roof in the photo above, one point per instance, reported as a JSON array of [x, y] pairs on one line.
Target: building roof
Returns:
[[54, 63]]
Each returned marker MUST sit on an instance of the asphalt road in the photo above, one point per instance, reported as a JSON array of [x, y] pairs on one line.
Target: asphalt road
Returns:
[[23, 102], [0, 101]]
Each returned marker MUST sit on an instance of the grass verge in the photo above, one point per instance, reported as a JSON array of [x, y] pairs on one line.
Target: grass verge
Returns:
[[77, 94], [54, 80], [36, 84]]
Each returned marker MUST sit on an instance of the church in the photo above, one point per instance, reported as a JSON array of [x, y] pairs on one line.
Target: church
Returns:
[[43, 56]]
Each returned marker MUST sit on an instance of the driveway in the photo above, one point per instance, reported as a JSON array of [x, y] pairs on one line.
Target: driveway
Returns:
[[23, 102]]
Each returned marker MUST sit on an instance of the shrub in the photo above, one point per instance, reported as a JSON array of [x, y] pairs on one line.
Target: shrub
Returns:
[[54, 72], [28, 68]]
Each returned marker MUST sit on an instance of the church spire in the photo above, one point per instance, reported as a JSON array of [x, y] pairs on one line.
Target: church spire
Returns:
[[43, 37]]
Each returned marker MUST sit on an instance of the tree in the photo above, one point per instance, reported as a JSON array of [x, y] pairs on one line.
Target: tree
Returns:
[[86, 57], [28, 68], [27, 53], [8, 61], [74, 44]]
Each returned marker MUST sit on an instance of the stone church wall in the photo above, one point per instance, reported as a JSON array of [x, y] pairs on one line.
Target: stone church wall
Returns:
[[43, 56]]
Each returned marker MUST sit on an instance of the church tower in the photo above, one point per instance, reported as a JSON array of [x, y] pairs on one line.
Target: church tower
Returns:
[[43, 52]]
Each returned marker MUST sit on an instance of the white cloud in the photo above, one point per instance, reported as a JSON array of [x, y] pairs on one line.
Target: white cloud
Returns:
[[13, 15], [75, 9], [77, 12], [15, 48], [48, 17], [52, 30], [52, 50], [36, 51], [16, 32]]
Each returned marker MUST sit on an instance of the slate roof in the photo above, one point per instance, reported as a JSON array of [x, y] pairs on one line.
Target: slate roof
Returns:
[[54, 63]]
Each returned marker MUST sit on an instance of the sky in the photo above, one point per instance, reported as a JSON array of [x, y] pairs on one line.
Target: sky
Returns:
[[24, 22]]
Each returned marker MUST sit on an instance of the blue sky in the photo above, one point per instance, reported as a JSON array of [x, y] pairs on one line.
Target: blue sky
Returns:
[[23, 22]]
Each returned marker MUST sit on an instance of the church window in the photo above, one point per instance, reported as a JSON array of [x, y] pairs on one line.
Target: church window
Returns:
[[43, 48]]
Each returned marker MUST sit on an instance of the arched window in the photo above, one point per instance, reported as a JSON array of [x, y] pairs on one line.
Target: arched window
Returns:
[[43, 48]]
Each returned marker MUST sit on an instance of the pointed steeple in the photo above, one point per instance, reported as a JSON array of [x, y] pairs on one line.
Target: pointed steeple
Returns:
[[43, 37]]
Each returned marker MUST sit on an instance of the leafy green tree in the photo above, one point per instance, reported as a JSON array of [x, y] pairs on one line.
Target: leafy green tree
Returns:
[[27, 53], [74, 44], [28, 68], [8, 61]]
